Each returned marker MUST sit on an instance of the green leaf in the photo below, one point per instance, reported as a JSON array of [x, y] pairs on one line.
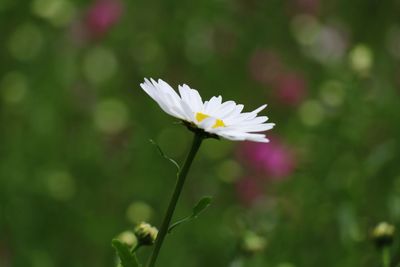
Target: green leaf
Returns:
[[164, 155], [126, 257], [201, 206], [197, 209]]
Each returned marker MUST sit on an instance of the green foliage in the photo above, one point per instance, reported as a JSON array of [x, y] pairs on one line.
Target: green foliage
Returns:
[[197, 209], [127, 258], [201, 206], [76, 167]]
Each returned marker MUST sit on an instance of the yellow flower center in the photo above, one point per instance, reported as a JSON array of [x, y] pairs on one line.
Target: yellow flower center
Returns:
[[201, 116]]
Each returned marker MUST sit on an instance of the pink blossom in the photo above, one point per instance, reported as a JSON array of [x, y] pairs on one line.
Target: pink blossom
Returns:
[[274, 160], [102, 15], [291, 89]]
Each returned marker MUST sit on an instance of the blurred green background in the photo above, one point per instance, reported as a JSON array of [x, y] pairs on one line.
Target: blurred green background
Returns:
[[77, 169]]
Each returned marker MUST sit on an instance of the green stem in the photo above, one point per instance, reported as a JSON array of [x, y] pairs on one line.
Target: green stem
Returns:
[[198, 138], [135, 248], [386, 256]]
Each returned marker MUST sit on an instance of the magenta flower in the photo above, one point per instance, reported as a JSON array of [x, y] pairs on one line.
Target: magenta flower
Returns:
[[102, 15], [291, 89], [274, 160]]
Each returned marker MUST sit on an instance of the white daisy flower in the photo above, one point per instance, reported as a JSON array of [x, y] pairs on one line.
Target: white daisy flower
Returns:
[[214, 117]]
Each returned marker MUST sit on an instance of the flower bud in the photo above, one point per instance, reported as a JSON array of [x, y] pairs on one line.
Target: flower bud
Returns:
[[128, 237], [383, 234], [146, 234]]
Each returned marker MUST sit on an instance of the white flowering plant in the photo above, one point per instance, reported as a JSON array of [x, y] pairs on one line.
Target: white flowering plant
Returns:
[[209, 119]]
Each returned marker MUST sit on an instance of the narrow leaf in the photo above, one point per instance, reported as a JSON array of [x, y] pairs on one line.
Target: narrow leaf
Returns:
[[197, 209], [201, 206], [126, 257], [164, 155]]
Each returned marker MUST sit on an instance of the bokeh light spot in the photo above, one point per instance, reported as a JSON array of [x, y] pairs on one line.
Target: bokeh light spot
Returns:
[[25, 42], [311, 113], [99, 65], [111, 116], [139, 212], [41, 258], [361, 59], [286, 264], [13, 87], [305, 29], [229, 171], [57, 12], [60, 185], [332, 93]]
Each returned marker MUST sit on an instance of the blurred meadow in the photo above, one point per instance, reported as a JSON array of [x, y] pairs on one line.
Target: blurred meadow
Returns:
[[77, 167]]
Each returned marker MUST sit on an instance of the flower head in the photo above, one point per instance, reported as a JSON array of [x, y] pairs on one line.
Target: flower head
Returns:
[[383, 234], [146, 234], [276, 160], [102, 15], [128, 237], [214, 117]]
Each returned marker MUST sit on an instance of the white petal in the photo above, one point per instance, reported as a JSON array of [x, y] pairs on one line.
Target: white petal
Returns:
[[148, 88], [245, 116], [185, 94], [256, 120], [159, 97], [235, 112], [232, 137], [166, 88], [240, 118], [238, 136], [194, 97], [189, 113], [255, 128], [224, 109], [259, 109], [211, 106], [256, 139]]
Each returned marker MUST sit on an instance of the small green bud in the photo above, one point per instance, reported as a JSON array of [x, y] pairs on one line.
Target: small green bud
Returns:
[[253, 243], [146, 234], [383, 234], [128, 237]]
